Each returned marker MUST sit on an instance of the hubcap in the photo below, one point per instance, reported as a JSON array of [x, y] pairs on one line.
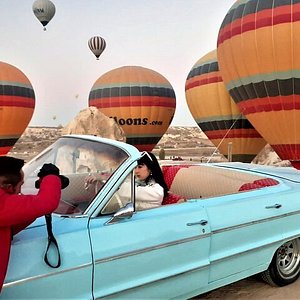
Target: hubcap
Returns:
[[288, 258]]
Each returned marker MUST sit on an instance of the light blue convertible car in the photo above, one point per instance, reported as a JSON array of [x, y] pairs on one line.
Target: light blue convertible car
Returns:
[[236, 220]]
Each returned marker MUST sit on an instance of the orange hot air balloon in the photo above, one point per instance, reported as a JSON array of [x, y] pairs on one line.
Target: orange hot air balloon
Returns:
[[217, 114], [140, 100], [17, 102], [258, 54]]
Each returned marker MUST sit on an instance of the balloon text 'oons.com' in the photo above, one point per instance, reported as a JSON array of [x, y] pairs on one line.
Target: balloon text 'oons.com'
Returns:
[[136, 121]]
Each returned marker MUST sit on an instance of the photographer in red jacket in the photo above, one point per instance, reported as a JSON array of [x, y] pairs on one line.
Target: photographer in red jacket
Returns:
[[18, 211]]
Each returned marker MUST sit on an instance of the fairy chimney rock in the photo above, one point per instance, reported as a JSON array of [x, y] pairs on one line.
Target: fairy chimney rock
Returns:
[[92, 121]]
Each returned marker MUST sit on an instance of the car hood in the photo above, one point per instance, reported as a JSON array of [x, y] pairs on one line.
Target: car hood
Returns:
[[286, 173]]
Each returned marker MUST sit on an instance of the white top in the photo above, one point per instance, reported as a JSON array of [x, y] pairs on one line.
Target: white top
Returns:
[[146, 196]]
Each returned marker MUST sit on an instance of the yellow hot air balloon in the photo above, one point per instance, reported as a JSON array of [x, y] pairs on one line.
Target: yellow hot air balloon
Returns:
[[44, 10], [17, 102], [217, 114], [258, 54], [140, 100]]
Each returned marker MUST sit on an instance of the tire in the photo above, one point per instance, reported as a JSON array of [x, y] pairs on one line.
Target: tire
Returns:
[[285, 266]]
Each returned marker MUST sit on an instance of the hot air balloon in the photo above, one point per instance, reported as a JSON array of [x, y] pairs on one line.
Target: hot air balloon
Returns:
[[44, 10], [258, 54], [17, 102], [216, 113], [97, 45], [140, 100]]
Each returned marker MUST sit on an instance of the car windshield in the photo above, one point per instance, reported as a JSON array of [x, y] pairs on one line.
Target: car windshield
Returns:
[[78, 159]]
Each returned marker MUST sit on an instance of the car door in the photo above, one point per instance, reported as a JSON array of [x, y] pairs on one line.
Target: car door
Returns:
[[29, 277], [161, 252], [246, 228]]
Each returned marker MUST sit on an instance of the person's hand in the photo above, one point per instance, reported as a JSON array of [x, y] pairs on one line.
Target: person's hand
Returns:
[[48, 169], [95, 179], [90, 179], [51, 169]]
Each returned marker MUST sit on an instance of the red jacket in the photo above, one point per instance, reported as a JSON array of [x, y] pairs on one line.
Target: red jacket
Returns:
[[18, 211]]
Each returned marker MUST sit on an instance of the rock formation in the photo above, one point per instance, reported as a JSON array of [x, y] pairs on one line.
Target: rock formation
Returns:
[[92, 121]]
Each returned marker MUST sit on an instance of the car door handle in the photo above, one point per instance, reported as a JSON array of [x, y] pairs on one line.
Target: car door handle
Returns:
[[274, 206], [202, 222]]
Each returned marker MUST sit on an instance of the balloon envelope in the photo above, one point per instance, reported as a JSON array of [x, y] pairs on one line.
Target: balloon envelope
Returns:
[[140, 100], [44, 10], [216, 113], [97, 45], [17, 102], [258, 54]]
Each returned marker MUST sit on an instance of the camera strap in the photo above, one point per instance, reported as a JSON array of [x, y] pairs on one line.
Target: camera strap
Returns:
[[51, 242]]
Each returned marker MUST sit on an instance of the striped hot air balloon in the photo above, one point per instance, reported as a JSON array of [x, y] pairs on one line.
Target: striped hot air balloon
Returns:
[[17, 102], [140, 100], [97, 45], [216, 113], [258, 54]]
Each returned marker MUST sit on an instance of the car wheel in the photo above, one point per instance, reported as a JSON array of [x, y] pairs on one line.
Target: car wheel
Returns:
[[285, 266]]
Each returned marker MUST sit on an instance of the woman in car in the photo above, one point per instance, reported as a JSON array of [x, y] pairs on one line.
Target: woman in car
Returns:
[[151, 187]]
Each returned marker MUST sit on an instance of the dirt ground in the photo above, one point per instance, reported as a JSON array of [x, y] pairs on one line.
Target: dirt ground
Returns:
[[253, 288]]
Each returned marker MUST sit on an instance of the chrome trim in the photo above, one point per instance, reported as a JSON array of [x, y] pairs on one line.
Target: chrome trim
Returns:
[[244, 252], [70, 216], [157, 280], [198, 268], [28, 279], [152, 248], [255, 222], [282, 240]]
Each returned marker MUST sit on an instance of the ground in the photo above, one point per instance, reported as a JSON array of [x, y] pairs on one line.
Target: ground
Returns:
[[253, 288]]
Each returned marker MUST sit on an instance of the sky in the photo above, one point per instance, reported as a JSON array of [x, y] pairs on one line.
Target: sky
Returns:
[[167, 36]]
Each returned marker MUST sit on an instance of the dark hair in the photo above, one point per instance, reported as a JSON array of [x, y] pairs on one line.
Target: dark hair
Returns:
[[10, 169], [10, 165], [12, 179], [151, 162]]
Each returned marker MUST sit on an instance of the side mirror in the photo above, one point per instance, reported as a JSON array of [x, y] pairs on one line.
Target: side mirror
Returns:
[[125, 212]]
